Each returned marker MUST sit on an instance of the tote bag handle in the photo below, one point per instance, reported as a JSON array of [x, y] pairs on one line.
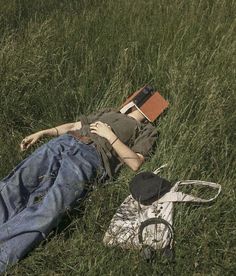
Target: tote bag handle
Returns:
[[175, 196]]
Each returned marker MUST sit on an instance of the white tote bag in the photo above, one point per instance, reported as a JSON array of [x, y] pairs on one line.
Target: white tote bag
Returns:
[[135, 225]]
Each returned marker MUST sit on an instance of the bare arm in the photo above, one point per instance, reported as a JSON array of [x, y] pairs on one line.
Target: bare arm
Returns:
[[129, 157], [132, 159], [54, 131], [61, 129]]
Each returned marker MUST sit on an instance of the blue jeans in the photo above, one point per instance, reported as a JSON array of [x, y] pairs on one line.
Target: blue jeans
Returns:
[[39, 191]]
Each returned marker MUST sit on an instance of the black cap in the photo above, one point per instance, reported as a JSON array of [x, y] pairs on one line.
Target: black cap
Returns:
[[147, 187]]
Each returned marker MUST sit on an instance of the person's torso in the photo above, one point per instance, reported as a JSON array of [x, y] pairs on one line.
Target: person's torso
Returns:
[[123, 126]]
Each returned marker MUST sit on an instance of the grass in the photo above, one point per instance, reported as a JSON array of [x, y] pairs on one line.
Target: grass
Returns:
[[60, 59]]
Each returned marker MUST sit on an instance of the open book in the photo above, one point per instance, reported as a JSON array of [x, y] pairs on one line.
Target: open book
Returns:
[[149, 102]]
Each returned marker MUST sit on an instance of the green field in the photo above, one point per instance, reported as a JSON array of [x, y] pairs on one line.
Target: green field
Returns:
[[59, 59]]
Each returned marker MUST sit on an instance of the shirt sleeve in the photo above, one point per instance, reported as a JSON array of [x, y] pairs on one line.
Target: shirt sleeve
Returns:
[[145, 141]]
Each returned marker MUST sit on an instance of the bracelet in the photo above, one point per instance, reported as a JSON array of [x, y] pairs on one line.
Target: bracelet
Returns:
[[114, 140], [57, 131]]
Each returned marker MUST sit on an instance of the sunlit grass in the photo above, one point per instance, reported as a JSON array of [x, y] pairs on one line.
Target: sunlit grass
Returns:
[[59, 59]]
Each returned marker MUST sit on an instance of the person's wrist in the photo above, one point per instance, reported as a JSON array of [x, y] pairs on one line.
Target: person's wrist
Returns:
[[113, 142], [112, 138]]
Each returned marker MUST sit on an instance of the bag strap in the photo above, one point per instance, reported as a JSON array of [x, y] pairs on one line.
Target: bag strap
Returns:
[[148, 252], [175, 196], [155, 221], [157, 171]]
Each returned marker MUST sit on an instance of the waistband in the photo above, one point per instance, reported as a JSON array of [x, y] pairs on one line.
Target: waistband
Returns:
[[85, 139]]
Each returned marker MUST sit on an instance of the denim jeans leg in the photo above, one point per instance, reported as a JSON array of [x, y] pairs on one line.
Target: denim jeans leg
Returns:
[[24, 179], [30, 226]]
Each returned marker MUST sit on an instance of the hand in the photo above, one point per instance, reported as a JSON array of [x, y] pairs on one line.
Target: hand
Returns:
[[103, 130], [29, 140]]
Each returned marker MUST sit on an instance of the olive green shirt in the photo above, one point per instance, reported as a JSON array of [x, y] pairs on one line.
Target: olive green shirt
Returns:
[[140, 137]]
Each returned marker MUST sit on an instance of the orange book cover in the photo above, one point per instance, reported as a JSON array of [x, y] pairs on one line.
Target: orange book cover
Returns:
[[151, 108]]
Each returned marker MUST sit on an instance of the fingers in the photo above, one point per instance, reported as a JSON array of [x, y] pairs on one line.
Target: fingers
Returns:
[[23, 144], [101, 129], [94, 128], [29, 140], [96, 124], [26, 143], [99, 123], [21, 147], [29, 144]]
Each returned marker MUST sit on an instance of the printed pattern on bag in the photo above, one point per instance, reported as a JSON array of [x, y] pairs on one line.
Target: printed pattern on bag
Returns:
[[125, 224]]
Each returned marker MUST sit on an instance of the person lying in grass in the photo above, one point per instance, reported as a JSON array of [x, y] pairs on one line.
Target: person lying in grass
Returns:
[[49, 182]]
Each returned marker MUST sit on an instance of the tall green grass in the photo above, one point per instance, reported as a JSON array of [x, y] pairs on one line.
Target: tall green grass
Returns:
[[59, 59]]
